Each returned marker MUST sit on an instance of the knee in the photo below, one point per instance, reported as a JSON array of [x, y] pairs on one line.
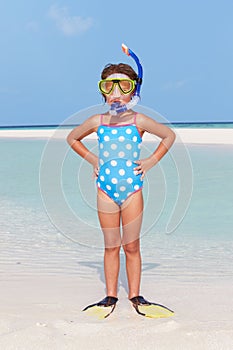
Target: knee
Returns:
[[112, 250], [132, 248]]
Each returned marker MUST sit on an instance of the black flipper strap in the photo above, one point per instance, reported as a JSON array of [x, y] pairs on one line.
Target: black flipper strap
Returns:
[[139, 300], [106, 302]]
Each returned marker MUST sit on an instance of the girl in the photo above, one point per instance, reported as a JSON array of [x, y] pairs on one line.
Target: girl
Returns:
[[119, 174]]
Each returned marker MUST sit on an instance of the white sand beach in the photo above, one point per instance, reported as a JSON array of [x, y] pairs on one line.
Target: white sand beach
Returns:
[[184, 135], [46, 281], [44, 313]]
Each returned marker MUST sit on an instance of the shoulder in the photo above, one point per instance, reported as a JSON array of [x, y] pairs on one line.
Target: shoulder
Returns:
[[150, 125], [89, 126], [92, 123], [143, 121], [94, 120]]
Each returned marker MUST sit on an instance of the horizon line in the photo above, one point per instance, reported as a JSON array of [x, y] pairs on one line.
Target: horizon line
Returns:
[[69, 125]]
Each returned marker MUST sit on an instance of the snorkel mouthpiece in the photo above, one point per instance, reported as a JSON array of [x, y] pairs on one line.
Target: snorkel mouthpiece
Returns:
[[116, 107]]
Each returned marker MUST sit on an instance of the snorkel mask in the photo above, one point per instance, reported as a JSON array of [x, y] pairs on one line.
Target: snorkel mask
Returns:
[[116, 107]]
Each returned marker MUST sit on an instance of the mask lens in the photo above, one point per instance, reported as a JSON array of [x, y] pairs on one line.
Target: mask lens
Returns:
[[126, 85], [106, 86]]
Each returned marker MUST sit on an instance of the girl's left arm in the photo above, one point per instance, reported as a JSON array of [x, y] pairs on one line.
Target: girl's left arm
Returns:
[[166, 135]]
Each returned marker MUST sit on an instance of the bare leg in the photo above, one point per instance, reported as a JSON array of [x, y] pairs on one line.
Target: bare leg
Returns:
[[109, 217], [132, 212]]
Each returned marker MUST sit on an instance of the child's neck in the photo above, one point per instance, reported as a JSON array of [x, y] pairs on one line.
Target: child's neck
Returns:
[[125, 117]]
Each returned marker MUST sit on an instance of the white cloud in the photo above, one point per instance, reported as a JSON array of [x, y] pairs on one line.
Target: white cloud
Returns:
[[174, 85], [69, 25]]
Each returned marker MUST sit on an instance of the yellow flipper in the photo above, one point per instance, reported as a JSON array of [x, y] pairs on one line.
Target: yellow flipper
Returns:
[[149, 309], [102, 309], [99, 312], [155, 311]]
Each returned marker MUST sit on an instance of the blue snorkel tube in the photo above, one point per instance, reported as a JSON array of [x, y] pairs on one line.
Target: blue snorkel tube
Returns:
[[116, 107]]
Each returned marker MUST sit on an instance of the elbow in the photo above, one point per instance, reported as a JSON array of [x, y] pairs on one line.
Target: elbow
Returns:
[[70, 139], [170, 139], [173, 136]]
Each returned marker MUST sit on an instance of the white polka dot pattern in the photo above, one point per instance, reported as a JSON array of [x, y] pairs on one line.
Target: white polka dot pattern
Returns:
[[114, 180], [113, 162], [119, 147]]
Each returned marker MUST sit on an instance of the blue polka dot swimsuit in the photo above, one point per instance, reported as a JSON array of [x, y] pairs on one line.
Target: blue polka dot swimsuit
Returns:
[[119, 147]]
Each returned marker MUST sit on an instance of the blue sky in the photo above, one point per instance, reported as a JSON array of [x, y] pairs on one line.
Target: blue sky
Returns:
[[52, 54]]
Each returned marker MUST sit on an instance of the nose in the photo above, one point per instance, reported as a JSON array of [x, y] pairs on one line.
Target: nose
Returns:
[[116, 91]]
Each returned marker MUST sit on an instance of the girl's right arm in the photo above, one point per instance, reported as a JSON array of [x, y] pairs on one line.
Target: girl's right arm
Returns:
[[77, 134]]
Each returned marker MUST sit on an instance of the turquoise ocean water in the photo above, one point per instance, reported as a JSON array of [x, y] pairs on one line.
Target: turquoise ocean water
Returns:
[[49, 222], [203, 125]]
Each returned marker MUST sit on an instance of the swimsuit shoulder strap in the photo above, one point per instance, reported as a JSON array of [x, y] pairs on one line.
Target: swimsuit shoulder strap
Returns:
[[134, 119], [101, 119]]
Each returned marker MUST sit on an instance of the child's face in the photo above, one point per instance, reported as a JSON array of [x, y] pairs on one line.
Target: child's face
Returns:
[[117, 95]]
